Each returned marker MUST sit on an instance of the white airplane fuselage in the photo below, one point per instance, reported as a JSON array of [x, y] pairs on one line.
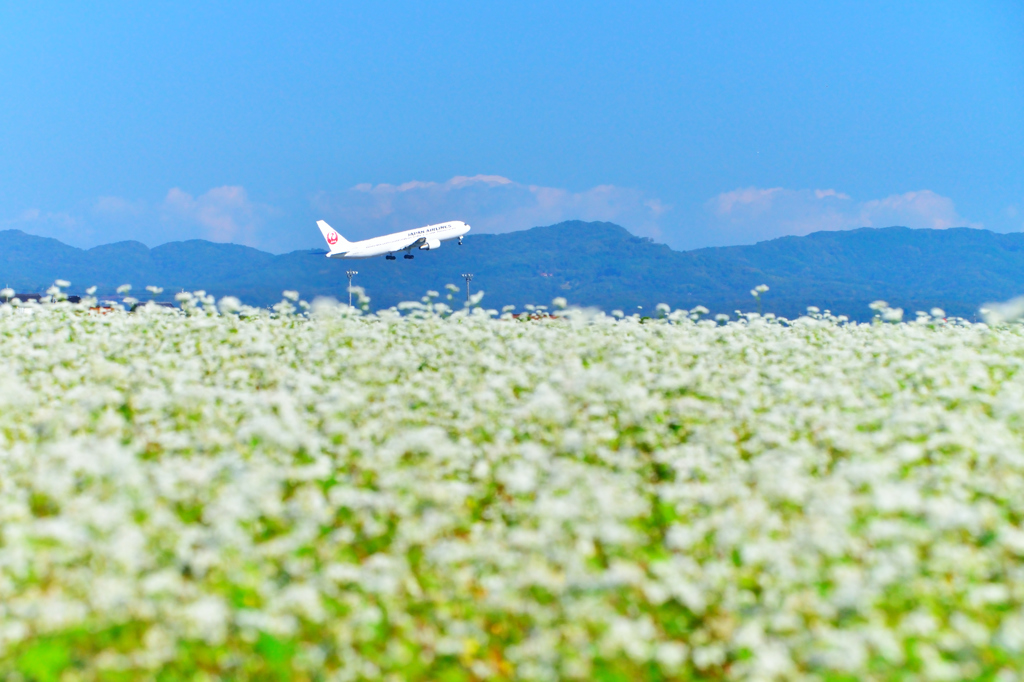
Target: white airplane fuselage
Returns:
[[422, 238]]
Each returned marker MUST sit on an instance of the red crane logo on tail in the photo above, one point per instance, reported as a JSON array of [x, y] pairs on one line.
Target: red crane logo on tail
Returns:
[[332, 238]]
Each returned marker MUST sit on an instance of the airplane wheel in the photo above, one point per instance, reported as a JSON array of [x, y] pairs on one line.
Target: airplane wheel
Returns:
[[409, 256]]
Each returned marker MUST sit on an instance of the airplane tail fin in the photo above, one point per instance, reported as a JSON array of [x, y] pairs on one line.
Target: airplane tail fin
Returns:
[[335, 242]]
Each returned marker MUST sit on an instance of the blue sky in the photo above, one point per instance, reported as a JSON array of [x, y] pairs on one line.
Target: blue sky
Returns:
[[697, 124]]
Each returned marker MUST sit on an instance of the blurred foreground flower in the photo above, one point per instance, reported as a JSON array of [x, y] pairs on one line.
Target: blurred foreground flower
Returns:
[[1000, 313], [424, 493]]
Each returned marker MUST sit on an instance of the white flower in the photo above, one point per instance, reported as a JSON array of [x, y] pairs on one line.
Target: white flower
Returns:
[[822, 498], [229, 304], [124, 288], [892, 314], [208, 619], [291, 295], [999, 313]]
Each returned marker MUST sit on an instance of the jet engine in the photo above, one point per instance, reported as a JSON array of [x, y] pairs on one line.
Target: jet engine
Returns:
[[430, 244]]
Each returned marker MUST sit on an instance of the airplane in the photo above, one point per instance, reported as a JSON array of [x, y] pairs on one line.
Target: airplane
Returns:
[[424, 238]]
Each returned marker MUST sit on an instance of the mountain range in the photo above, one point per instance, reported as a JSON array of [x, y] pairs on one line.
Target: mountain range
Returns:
[[593, 264]]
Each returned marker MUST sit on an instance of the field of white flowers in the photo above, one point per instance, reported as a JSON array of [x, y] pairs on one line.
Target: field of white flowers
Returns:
[[313, 493]]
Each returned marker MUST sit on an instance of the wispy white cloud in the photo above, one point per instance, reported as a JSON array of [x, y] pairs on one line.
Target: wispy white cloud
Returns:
[[1012, 213], [822, 193], [61, 219], [61, 225], [118, 207], [223, 214], [490, 203], [751, 214], [749, 201], [915, 209]]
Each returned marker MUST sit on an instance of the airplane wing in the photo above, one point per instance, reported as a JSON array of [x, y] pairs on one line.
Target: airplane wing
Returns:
[[411, 243]]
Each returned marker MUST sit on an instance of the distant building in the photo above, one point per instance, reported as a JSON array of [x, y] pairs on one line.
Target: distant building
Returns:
[[161, 304]]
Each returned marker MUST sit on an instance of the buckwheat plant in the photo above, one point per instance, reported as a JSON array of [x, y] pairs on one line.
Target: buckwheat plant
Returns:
[[315, 492]]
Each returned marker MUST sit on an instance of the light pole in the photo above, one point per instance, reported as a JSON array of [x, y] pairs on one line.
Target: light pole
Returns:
[[351, 274], [469, 278]]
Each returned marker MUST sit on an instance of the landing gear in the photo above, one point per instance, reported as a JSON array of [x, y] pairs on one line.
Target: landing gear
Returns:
[[460, 241], [408, 256], [389, 257]]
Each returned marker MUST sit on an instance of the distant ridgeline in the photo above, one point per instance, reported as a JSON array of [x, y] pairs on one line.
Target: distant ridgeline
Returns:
[[591, 264]]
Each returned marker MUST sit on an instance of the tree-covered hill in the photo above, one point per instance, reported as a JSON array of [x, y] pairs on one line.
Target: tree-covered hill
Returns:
[[594, 264]]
